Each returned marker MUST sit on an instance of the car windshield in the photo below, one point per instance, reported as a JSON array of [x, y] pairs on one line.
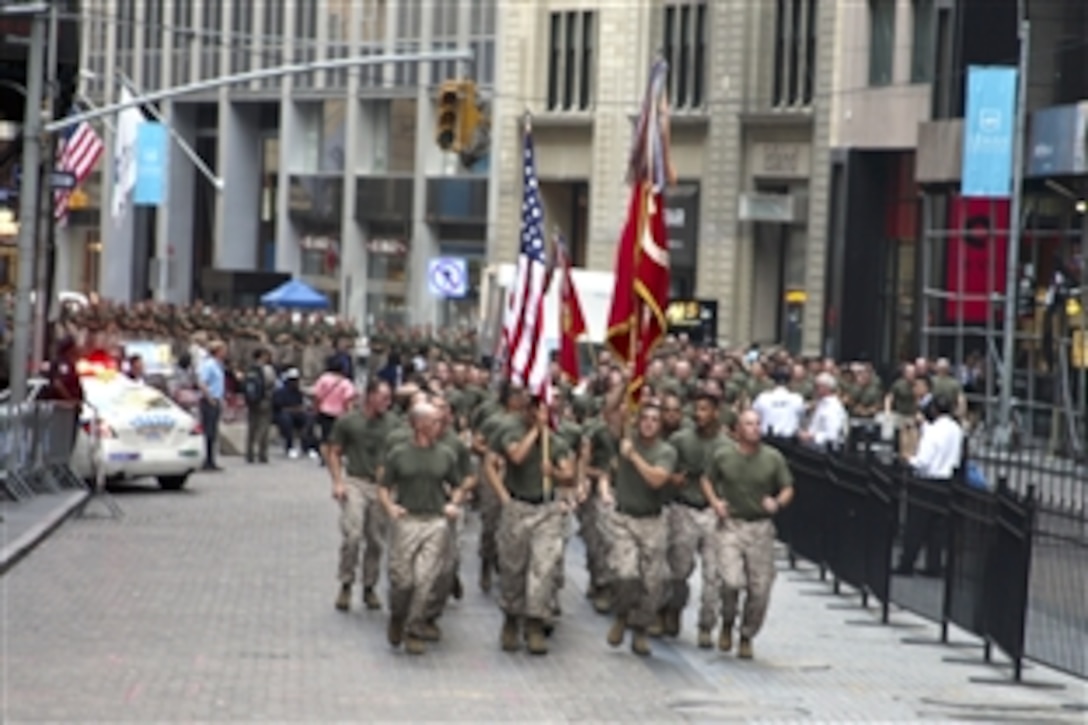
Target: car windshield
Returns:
[[124, 395]]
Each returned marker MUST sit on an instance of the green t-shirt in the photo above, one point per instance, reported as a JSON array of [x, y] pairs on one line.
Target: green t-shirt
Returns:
[[804, 388], [742, 480], [362, 440], [571, 433], [484, 412], [903, 400], [418, 475], [947, 386], [758, 385], [460, 451], [525, 480], [634, 496], [693, 453], [604, 446], [399, 434], [868, 397]]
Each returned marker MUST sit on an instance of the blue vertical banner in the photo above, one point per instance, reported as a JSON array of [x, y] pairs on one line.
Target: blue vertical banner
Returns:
[[152, 147], [988, 132]]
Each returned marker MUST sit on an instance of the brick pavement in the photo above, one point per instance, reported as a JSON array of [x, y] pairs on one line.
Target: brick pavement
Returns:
[[215, 604]]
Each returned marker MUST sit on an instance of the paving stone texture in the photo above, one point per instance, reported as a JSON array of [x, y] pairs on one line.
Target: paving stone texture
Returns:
[[215, 604]]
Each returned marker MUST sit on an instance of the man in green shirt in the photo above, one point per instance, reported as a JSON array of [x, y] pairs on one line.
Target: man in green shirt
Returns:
[[638, 531], [487, 421], [417, 473], [450, 582], [530, 537], [360, 437], [746, 484], [903, 405], [691, 521], [601, 459]]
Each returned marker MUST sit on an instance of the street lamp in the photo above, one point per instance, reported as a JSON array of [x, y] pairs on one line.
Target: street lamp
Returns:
[[28, 193]]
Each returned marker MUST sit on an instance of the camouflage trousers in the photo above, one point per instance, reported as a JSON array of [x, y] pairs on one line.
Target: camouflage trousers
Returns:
[[691, 533], [451, 563], [592, 530], [567, 505], [490, 506], [530, 540], [637, 549], [362, 518], [418, 554], [745, 551]]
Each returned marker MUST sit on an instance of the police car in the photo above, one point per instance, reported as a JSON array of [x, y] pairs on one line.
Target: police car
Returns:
[[131, 430]]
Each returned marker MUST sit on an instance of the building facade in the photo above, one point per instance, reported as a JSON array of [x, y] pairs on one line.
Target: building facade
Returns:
[[900, 282], [748, 89], [332, 176]]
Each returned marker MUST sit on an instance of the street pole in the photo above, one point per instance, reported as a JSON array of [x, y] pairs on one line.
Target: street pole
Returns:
[[43, 257], [254, 75], [1012, 254], [28, 207]]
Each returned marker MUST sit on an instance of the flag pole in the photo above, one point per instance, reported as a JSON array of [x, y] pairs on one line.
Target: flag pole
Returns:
[[545, 435]]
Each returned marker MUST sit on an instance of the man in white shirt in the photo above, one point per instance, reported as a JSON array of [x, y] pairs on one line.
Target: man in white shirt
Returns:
[[780, 410], [939, 456], [830, 422]]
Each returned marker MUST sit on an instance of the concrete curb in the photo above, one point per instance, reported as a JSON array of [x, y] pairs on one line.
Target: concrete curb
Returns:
[[15, 550]]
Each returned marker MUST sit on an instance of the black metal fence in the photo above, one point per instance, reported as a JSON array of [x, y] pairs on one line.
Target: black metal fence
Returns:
[[36, 442], [1000, 562]]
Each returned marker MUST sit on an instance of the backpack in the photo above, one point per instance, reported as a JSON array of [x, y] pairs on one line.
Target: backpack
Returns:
[[253, 386]]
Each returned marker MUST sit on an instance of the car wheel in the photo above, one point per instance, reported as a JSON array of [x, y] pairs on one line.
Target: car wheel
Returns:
[[173, 483]]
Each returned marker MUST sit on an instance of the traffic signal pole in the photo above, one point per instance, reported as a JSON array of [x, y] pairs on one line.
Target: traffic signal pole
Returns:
[[28, 207], [254, 75], [44, 256]]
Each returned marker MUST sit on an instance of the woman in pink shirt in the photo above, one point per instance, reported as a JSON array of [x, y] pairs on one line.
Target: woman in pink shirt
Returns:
[[334, 395]]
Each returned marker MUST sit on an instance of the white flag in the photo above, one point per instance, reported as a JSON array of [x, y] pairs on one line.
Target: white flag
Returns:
[[124, 155]]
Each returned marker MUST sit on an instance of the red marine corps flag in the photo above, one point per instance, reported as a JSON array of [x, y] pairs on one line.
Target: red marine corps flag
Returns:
[[636, 321], [571, 317]]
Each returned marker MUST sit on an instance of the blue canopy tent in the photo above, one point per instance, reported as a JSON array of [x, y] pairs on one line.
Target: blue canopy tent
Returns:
[[297, 295]]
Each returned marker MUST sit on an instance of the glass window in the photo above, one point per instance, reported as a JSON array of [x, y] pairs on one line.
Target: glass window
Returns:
[[881, 41], [921, 59], [555, 58], [571, 43]]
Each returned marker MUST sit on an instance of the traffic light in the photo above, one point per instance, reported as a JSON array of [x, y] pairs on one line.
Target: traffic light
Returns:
[[458, 116]]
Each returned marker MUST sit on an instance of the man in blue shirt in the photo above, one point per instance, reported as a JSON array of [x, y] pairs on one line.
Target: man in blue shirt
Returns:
[[213, 388]]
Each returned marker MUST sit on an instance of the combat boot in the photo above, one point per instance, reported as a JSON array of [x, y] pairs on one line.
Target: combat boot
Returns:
[[640, 643], [430, 632], [705, 641], [725, 638], [535, 641], [745, 650], [602, 601], [672, 622], [414, 645], [395, 632], [658, 627], [510, 634], [343, 600], [370, 599], [485, 576], [615, 633]]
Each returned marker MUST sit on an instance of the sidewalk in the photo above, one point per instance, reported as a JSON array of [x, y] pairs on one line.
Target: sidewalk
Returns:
[[26, 524]]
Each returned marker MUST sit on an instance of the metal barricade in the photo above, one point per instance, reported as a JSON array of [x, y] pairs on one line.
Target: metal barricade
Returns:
[[16, 444], [36, 443]]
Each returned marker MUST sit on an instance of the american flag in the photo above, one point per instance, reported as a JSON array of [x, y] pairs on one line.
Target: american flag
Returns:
[[523, 326], [78, 152]]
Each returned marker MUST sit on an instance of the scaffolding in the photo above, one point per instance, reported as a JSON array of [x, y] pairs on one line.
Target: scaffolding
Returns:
[[963, 300]]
